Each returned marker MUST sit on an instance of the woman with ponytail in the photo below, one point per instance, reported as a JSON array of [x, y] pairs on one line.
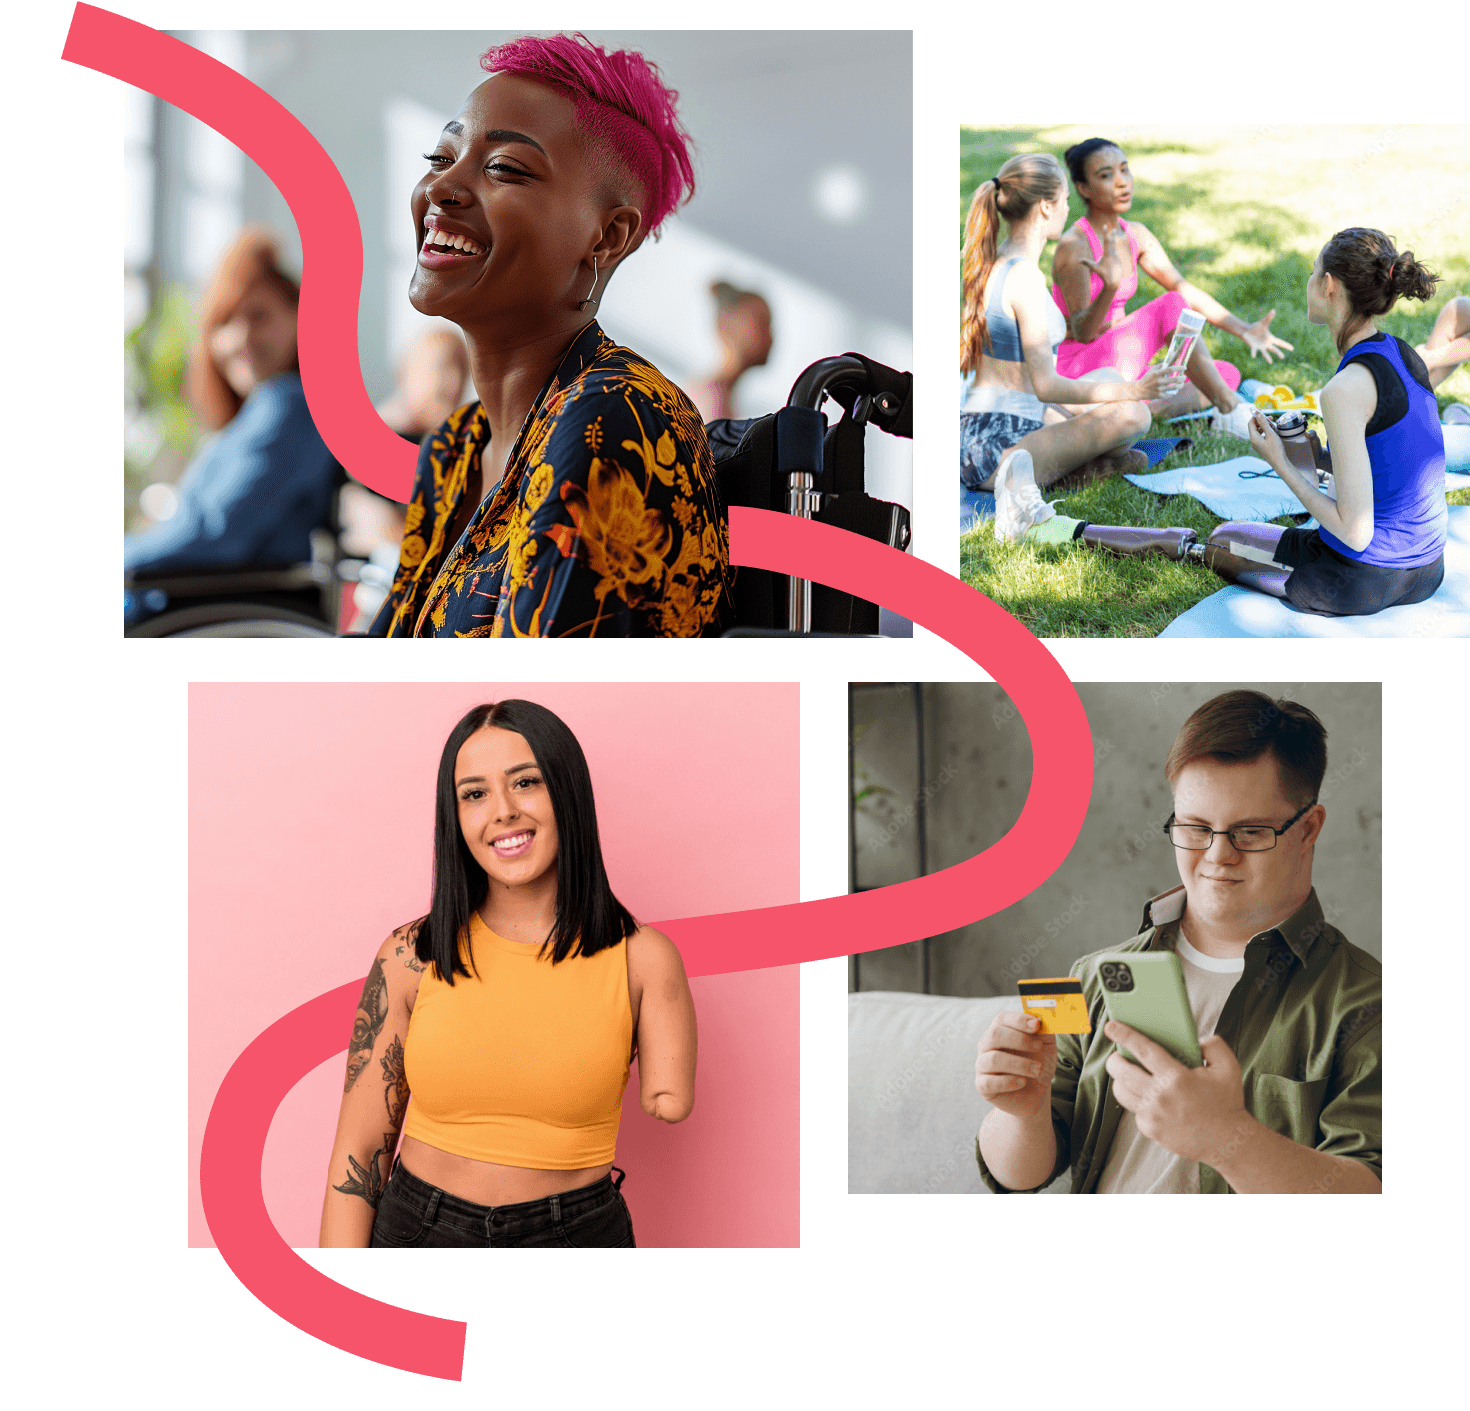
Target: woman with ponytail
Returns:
[[1009, 442], [1095, 273]]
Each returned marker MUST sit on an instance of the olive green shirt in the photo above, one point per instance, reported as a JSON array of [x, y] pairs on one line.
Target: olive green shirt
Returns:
[[1304, 1020]]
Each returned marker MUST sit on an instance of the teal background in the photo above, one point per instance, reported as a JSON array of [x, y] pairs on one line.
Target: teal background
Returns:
[[891, 1301]]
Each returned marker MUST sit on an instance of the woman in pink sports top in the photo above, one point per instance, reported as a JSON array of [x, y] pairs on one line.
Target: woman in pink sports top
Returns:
[[1095, 273]]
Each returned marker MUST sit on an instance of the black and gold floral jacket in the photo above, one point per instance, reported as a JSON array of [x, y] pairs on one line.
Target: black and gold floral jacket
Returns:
[[606, 522]]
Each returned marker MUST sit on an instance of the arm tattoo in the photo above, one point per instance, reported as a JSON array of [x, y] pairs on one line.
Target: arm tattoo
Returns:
[[404, 935], [396, 1092], [372, 1011], [410, 957], [367, 1181]]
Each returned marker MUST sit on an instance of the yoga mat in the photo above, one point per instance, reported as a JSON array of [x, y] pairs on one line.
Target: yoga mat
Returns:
[[1456, 449], [1239, 612], [1157, 449], [975, 505], [1259, 495]]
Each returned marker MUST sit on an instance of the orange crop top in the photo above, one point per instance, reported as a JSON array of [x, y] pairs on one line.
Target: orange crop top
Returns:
[[526, 1064]]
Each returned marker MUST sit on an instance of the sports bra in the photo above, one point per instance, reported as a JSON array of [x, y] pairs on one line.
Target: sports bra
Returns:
[[1117, 310], [1005, 332], [523, 1062]]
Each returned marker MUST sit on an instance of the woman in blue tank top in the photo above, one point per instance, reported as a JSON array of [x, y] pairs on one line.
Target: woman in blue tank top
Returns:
[[1382, 535]]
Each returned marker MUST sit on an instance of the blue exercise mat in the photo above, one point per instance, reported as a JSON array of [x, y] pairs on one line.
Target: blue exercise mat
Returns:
[[1163, 446], [975, 505], [1245, 487], [1456, 449], [1242, 488], [1239, 612]]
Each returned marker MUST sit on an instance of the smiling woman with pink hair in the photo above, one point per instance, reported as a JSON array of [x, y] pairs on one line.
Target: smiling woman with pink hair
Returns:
[[576, 496]]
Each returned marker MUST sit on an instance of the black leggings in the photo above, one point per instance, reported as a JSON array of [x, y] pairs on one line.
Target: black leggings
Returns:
[[1326, 583]]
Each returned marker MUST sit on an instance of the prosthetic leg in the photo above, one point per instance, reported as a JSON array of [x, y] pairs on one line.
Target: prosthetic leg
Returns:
[[1239, 552]]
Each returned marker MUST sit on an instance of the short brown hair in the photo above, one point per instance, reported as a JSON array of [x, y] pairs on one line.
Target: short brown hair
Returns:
[[1244, 725], [254, 256]]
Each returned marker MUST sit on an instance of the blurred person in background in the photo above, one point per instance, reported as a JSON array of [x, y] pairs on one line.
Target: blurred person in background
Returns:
[[576, 496], [743, 324], [1447, 346], [261, 484], [431, 377]]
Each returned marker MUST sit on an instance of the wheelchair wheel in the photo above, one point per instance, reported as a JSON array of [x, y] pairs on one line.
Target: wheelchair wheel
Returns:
[[232, 620]]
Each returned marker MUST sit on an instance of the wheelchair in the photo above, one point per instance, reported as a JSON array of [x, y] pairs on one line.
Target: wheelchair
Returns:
[[258, 600], [793, 462], [789, 461]]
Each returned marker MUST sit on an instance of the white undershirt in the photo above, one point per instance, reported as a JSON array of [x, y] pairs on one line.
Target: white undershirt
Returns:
[[1135, 1165]]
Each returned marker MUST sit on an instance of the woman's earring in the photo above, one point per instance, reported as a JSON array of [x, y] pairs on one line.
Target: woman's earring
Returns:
[[589, 299]]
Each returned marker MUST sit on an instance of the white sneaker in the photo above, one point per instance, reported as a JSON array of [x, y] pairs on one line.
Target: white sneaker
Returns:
[[1018, 503], [1235, 422]]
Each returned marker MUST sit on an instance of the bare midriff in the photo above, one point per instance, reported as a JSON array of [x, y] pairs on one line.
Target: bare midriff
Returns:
[[487, 1182]]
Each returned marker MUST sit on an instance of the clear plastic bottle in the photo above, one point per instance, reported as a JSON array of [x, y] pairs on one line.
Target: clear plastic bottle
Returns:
[[1181, 345]]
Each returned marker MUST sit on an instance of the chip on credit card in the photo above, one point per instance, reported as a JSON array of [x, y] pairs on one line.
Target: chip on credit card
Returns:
[[1057, 1003]]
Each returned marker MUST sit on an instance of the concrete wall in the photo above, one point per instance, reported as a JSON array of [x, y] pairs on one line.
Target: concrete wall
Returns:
[[976, 769]]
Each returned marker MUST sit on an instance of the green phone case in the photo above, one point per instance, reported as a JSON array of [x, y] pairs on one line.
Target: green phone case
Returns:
[[1157, 1005]]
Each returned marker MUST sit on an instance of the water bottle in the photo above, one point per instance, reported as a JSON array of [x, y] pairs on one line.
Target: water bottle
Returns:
[[1181, 345], [1292, 428]]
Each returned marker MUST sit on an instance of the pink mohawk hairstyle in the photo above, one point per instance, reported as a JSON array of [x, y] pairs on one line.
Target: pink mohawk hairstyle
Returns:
[[622, 105]]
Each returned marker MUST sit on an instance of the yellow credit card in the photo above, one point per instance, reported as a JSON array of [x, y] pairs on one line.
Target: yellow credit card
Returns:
[[1057, 1003]]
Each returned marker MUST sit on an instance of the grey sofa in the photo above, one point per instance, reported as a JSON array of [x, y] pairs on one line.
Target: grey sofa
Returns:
[[912, 1108]]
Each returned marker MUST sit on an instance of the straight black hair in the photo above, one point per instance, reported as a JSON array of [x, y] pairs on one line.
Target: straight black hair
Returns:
[[589, 918]]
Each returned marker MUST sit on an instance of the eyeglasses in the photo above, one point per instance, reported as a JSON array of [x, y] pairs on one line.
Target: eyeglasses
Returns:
[[1244, 837]]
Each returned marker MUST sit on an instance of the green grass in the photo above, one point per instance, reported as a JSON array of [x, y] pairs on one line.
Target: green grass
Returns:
[[1242, 213]]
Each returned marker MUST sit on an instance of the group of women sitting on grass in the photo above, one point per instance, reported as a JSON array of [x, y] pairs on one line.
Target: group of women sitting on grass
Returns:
[[1061, 388]]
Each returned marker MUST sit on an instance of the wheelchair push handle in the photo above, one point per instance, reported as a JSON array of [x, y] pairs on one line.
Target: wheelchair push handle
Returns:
[[866, 390]]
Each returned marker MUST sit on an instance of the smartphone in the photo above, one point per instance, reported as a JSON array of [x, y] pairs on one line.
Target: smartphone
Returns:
[[1145, 990]]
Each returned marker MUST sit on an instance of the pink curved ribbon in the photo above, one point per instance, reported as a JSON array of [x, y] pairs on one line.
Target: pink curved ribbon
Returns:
[[331, 236], [234, 1203]]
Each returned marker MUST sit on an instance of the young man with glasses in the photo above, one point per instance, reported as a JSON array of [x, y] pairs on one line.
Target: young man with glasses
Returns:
[[1289, 1098]]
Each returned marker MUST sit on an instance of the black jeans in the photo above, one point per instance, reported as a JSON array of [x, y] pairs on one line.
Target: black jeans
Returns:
[[412, 1214]]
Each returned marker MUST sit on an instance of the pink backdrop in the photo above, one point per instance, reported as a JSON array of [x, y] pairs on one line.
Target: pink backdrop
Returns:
[[310, 838]]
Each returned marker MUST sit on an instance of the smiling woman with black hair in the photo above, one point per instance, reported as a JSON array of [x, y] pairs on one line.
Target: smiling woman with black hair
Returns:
[[577, 496], [511, 1013]]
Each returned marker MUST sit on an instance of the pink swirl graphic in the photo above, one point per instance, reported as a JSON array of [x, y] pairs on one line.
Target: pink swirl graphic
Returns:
[[260, 1078]]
